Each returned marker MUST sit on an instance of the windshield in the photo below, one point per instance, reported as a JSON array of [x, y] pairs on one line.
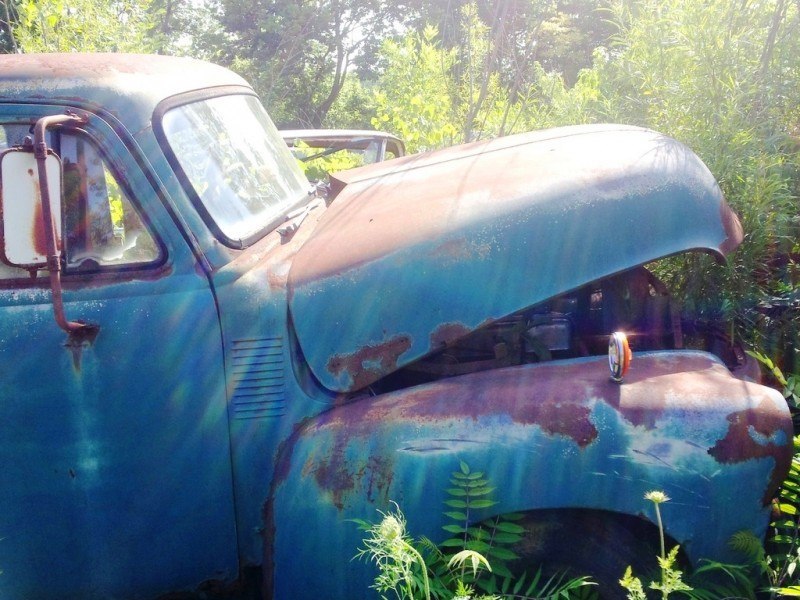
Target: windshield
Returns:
[[237, 163]]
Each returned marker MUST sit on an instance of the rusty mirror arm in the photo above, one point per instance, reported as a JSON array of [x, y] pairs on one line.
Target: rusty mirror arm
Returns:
[[40, 150]]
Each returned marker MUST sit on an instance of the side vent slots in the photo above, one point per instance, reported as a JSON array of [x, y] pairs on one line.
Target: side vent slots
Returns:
[[259, 389]]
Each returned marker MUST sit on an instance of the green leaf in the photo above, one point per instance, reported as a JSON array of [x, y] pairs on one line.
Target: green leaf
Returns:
[[482, 503], [478, 546], [478, 533], [456, 503], [502, 553], [508, 527], [481, 491], [456, 515], [464, 468], [453, 528], [506, 538], [783, 539], [477, 483], [475, 559], [502, 571]]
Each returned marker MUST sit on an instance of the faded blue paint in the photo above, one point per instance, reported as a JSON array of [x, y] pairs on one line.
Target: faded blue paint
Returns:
[[192, 438], [655, 432], [500, 226], [117, 477]]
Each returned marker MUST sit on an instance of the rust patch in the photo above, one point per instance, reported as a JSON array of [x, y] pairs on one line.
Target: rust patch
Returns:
[[336, 475], [381, 475], [565, 419], [37, 234], [371, 362], [738, 444], [277, 281], [734, 234], [558, 399], [453, 250], [332, 475], [447, 333], [552, 399]]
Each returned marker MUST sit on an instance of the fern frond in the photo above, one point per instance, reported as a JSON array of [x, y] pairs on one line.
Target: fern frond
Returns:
[[748, 544]]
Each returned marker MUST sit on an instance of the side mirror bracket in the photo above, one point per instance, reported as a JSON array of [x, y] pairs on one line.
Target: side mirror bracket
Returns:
[[30, 182]]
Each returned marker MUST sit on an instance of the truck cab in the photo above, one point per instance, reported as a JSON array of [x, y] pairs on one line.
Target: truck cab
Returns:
[[207, 367]]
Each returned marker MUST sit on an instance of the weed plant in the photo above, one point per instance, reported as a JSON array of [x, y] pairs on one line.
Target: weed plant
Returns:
[[471, 564]]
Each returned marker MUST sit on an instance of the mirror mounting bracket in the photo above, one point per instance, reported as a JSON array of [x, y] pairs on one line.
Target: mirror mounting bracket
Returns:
[[40, 151]]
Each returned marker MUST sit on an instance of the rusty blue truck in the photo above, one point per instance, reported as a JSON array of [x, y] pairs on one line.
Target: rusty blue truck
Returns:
[[207, 367]]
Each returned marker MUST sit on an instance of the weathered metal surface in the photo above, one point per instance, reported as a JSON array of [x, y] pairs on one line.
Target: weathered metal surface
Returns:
[[474, 233], [117, 479], [555, 435], [128, 86], [146, 470]]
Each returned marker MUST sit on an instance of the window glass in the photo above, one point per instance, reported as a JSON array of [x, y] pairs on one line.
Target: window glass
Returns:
[[237, 163], [101, 226]]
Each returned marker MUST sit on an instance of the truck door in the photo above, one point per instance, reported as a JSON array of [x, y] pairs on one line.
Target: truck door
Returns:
[[116, 473]]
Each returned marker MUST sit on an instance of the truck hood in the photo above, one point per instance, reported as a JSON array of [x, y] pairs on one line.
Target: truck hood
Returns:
[[415, 253]]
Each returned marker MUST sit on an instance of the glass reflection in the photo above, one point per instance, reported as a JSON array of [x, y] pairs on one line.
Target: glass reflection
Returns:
[[236, 162]]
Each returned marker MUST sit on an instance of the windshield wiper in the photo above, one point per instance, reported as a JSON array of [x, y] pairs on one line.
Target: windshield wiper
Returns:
[[296, 218]]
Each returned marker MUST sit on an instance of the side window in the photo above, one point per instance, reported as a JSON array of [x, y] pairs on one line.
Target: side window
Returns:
[[102, 228]]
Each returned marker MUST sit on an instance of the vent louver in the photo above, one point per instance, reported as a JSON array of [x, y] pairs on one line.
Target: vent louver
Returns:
[[259, 389]]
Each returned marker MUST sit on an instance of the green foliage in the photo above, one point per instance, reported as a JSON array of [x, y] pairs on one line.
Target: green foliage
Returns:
[[414, 97], [710, 581], [671, 576], [772, 572], [83, 26], [353, 108], [714, 580], [300, 55], [780, 564], [774, 569], [470, 497], [475, 557], [790, 384], [316, 163], [633, 585], [401, 569], [722, 78]]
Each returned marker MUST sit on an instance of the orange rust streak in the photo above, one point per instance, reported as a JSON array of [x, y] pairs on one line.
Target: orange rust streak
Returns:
[[738, 444], [371, 362], [37, 234]]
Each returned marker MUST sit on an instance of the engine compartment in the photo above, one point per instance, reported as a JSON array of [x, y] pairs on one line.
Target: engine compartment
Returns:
[[571, 325]]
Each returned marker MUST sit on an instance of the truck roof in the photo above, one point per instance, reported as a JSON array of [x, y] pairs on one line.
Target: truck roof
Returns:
[[128, 86]]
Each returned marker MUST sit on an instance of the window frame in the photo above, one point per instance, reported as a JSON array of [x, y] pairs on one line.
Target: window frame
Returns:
[[110, 272], [186, 185]]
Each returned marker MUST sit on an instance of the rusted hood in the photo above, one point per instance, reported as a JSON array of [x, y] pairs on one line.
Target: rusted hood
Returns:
[[417, 252]]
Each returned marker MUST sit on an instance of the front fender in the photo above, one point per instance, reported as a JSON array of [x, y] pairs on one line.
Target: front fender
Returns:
[[553, 435]]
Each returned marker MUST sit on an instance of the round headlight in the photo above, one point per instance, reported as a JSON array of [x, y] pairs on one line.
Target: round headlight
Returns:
[[619, 355]]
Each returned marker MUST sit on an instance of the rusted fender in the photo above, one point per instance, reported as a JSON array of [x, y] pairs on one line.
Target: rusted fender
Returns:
[[554, 435], [416, 253]]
